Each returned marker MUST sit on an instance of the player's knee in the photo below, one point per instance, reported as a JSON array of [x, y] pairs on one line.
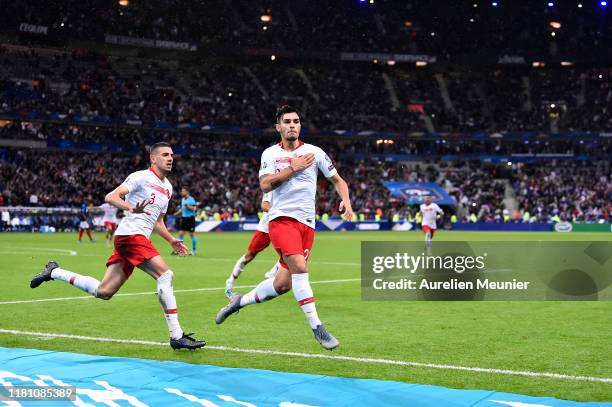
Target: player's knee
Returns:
[[104, 293], [299, 268], [165, 280], [281, 287]]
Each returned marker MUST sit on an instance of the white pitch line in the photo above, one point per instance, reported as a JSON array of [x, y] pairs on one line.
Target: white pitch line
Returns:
[[22, 250], [189, 290], [322, 356]]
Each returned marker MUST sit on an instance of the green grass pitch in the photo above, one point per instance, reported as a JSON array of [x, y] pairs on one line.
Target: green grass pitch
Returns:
[[573, 338]]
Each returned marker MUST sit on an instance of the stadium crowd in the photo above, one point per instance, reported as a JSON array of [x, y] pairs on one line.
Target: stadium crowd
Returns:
[[227, 187], [90, 115], [347, 97]]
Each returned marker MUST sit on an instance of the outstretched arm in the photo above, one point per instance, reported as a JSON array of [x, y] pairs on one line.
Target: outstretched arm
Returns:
[[342, 189]]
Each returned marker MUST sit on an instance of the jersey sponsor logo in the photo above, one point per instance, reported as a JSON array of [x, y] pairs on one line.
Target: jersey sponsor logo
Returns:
[[264, 165], [162, 190], [331, 167]]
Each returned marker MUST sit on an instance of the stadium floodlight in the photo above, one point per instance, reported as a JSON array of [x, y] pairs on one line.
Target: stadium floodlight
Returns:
[[266, 18], [474, 5], [603, 3], [553, 34], [124, 3], [579, 5], [551, 4], [538, 64], [494, 4], [391, 62], [273, 58], [555, 24], [567, 63], [421, 63]]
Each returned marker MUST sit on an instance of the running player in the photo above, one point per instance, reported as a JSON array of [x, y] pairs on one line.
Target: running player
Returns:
[[187, 212], [147, 195], [289, 169], [259, 242], [110, 221], [84, 224], [430, 212]]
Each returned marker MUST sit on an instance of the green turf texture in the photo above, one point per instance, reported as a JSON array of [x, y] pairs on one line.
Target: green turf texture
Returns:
[[573, 338]]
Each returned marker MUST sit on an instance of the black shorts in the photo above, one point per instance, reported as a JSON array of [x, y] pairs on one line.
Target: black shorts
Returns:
[[188, 224]]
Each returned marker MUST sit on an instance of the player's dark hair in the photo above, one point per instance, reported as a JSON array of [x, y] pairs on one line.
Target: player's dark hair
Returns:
[[155, 146], [283, 110]]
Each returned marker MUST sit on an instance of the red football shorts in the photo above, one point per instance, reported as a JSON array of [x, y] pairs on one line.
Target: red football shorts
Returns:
[[289, 237], [110, 225], [429, 229], [131, 251], [259, 241]]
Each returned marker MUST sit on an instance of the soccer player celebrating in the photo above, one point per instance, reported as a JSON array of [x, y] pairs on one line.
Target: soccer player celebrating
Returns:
[[188, 212], [147, 195], [289, 169], [259, 242], [430, 212], [110, 221]]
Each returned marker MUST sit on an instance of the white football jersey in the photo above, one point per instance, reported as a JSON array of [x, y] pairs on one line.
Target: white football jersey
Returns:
[[110, 213], [262, 226], [295, 198], [144, 185], [430, 212]]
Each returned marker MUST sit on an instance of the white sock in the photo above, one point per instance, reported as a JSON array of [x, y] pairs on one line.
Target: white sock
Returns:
[[85, 283], [167, 300], [238, 268], [263, 292], [272, 272], [303, 293]]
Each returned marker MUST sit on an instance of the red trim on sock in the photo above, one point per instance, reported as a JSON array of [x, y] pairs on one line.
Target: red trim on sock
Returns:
[[72, 280], [307, 301], [257, 298], [171, 311]]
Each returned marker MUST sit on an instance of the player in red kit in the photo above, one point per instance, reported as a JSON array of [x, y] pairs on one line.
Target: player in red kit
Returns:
[[147, 194], [289, 169]]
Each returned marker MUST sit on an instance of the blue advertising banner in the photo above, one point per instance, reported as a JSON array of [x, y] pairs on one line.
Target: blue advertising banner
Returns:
[[414, 192], [88, 380]]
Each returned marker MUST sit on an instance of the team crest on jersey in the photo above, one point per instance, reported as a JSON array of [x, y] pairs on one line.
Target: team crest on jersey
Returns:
[[162, 190], [281, 163], [327, 158]]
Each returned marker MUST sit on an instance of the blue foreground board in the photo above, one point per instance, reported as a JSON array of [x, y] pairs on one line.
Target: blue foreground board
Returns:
[[100, 380]]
